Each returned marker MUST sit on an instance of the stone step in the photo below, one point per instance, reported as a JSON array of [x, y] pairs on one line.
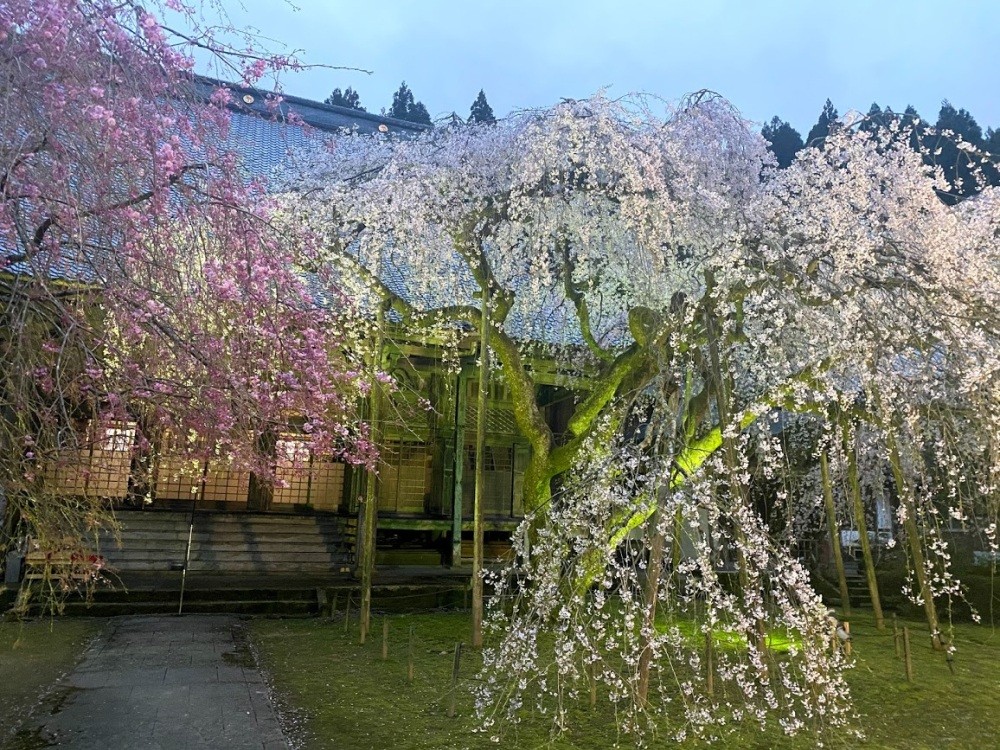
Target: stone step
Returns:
[[333, 565], [286, 608], [158, 541], [250, 548], [127, 554]]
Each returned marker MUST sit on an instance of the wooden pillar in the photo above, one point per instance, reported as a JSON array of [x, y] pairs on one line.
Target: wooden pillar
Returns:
[[477, 524], [367, 529], [459, 468]]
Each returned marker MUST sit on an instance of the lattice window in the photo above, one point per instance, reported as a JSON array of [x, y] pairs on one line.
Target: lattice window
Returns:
[[183, 478], [225, 484], [499, 487], [98, 468], [327, 488], [178, 478], [405, 477], [499, 410], [302, 477]]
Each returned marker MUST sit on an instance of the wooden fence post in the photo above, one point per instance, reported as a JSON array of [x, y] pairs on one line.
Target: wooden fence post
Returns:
[[906, 654], [709, 663], [454, 679], [593, 685], [409, 657]]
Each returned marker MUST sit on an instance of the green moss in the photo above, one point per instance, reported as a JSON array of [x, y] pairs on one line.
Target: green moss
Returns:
[[350, 698], [33, 655]]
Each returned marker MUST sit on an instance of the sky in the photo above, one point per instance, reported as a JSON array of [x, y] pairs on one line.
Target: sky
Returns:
[[768, 57]]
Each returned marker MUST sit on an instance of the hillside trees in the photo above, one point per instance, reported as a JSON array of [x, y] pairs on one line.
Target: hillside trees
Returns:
[[144, 295], [346, 98], [405, 107], [785, 141], [827, 119], [690, 303], [481, 111]]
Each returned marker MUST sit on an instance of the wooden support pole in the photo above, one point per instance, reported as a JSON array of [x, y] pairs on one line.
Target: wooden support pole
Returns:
[[593, 685], [709, 663], [333, 603], [385, 638], [458, 469], [896, 637], [847, 644], [907, 658], [367, 532], [409, 657], [482, 402], [454, 679], [834, 528], [347, 613]]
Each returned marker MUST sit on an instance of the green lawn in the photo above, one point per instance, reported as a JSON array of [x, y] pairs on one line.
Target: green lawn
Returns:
[[342, 695], [33, 655]]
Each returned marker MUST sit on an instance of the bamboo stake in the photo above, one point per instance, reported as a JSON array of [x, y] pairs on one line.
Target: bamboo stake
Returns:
[[709, 663], [409, 657], [454, 679], [908, 660], [385, 638]]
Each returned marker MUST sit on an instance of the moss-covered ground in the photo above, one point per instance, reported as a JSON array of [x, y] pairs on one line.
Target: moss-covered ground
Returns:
[[340, 694], [34, 654]]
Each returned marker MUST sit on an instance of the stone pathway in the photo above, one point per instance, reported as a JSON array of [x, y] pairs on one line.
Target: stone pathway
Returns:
[[162, 683]]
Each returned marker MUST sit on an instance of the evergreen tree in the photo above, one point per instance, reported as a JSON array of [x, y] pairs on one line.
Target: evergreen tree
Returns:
[[402, 102], [404, 107], [347, 98], [784, 139], [481, 111], [419, 114], [877, 119], [827, 118], [966, 169], [992, 143], [961, 123]]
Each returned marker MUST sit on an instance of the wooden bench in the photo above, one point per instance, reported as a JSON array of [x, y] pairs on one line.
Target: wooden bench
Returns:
[[63, 562]]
